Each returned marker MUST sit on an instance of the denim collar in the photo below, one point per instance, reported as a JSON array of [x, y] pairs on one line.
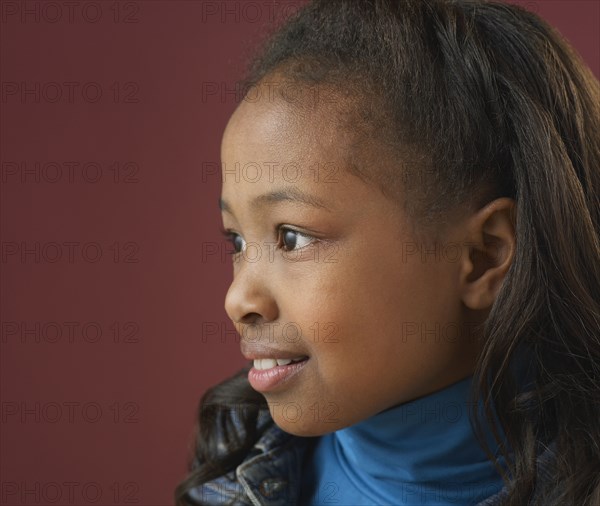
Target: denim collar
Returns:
[[273, 476], [270, 474]]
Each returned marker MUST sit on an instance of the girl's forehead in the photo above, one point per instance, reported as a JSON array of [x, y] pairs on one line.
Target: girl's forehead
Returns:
[[264, 117], [270, 144], [276, 134]]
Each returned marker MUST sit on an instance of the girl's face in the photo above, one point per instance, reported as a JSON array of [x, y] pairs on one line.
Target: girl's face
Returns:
[[330, 270]]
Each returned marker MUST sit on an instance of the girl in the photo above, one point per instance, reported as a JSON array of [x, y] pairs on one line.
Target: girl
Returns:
[[415, 221]]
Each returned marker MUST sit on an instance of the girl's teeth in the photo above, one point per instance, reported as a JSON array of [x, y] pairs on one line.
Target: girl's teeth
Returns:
[[265, 363], [269, 363]]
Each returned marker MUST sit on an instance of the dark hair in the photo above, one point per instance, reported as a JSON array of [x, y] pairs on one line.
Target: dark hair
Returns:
[[491, 101]]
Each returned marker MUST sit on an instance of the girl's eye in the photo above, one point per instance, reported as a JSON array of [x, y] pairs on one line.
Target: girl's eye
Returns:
[[292, 238], [289, 240], [238, 243]]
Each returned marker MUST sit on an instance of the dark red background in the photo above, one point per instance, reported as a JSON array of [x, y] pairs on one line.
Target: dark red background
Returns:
[[164, 290]]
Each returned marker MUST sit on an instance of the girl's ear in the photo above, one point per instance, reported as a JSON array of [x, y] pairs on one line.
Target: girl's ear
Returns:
[[487, 252]]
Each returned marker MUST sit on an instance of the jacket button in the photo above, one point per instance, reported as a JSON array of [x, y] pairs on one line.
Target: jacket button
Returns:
[[272, 487]]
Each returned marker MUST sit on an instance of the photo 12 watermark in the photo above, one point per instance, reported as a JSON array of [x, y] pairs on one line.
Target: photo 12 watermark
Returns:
[[69, 332], [71, 492], [248, 11], [271, 172], [74, 172], [69, 412], [271, 332], [69, 252], [69, 12], [69, 92], [292, 92]]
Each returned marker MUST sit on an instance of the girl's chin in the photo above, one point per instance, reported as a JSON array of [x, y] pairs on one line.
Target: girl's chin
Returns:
[[306, 428], [301, 431]]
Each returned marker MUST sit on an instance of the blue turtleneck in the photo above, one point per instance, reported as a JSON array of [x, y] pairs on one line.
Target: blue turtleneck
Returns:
[[423, 452]]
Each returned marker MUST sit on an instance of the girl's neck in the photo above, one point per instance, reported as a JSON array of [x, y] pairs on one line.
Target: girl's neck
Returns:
[[419, 452]]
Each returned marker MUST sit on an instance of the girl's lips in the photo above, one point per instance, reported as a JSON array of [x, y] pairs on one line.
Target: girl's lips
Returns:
[[266, 380], [255, 351]]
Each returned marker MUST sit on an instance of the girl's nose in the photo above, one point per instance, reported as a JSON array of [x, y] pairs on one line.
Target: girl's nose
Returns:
[[249, 300]]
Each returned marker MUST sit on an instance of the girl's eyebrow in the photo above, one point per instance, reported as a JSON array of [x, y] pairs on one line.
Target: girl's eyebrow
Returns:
[[291, 194]]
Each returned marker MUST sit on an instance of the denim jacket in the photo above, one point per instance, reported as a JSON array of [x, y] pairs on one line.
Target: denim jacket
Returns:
[[270, 474]]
